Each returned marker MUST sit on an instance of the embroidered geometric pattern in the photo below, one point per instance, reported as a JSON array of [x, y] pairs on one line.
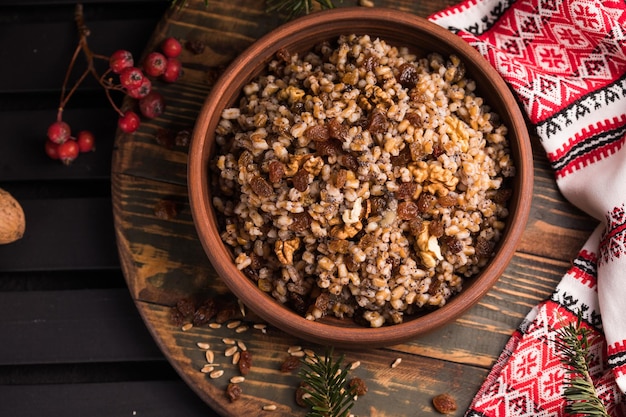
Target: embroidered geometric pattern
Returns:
[[613, 242]]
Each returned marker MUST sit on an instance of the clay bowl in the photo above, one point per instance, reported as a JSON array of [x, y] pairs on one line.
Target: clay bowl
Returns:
[[397, 28]]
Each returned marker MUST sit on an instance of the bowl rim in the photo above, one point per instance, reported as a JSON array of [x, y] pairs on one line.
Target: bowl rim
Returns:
[[320, 331]]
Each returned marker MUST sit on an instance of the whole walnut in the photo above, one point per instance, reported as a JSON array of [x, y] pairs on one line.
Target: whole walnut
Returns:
[[12, 220]]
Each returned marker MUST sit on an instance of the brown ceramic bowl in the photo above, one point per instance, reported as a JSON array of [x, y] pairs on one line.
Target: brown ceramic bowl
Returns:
[[397, 28]]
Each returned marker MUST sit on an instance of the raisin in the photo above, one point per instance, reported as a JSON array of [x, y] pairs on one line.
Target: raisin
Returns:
[[367, 241], [337, 130], [301, 180], [357, 386], [291, 363], [403, 158], [256, 261], [407, 76], [165, 209], [434, 287], [300, 222], [349, 161], [283, 55], [435, 228], [502, 195], [225, 313], [351, 264], [298, 303], [302, 393], [339, 246], [196, 47], [407, 210], [438, 151], [233, 391], [183, 137], [317, 133], [245, 362], [444, 403], [176, 317], [245, 159], [165, 138], [426, 202], [330, 147], [447, 200], [452, 244], [377, 122], [370, 63], [204, 313], [276, 171], [260, 186], [340, 178], [322, 302], [414, 119], [416, 226], [186, 306], [406, 190], [483, 247], [378, 205]]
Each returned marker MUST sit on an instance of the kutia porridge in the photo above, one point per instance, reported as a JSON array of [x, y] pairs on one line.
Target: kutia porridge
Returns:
[[358, 180]]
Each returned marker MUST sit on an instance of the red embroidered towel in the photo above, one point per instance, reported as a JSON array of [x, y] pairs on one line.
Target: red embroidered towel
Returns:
[[566, 62]]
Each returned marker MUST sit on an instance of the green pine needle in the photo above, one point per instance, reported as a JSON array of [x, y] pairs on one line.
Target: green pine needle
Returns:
[[326, 381], [580, 393], [294, 8]]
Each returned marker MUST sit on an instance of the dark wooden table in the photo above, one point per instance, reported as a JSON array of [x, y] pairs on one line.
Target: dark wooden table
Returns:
[[71, 339]]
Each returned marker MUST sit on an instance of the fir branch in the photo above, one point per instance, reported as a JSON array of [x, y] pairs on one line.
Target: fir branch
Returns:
[[580, 394], [294, 8], [325, 382]]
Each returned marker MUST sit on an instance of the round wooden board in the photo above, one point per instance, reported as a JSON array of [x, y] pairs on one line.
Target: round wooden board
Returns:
[[163, 261]]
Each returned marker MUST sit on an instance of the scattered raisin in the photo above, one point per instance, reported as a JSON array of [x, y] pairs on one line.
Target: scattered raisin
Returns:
[[317, 133], [331, 147], [340, 178], [438, 151], [447, 200], [407, 76], [284, 55], [407, 210], [416, 226], [378, 205], [245, 362], [406, 190], [301, 392], [233, 391], [351, 264], [403, 158], [176, 317], [452, 244], [290, 363], [300, 222], [502, 195], [165, 209], [370, 63], [377, 122], [225, 313], [196, 47], [435, 286], [322, 302], [349, 161], [183, 137], [204, 313], [357, 386], [435, 228], [414, 119], [245, 159], [165, 138], [426, 202], [337, 130], [301, 180], [260, 186], [444, 403], [276, 171], [483, 247], [186, 306], [297, 303]]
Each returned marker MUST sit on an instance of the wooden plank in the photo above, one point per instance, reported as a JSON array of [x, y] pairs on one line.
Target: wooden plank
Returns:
[[63, 234], [72, 326], [140, 398], [410, 386]]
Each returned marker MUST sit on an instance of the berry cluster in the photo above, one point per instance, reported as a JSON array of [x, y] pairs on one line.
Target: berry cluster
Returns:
[[121, 75]]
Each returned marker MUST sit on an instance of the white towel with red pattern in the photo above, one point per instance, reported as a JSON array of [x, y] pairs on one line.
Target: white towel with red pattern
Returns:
[[566, 62]]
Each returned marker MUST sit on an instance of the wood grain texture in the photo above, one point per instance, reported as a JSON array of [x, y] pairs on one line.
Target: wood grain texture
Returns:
[[163, 260]]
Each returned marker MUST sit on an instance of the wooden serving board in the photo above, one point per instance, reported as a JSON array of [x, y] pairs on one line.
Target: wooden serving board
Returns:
[[163, 261]]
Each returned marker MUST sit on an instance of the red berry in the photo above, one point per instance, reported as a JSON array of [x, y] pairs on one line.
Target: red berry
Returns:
[[52, 149], [173, 70], [171, 47], [152, 105], [68, 151], [129, 122], [142, 90], [59, 132], [155, 64], [86, 141], [131, 77], [120, 60]]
